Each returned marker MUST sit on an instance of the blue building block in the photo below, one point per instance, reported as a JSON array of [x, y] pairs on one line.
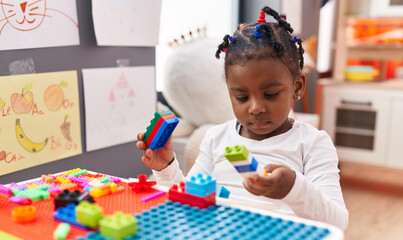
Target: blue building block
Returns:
[[222, 192], [163, 134], [200, 185], [247, 168], [177, 221], [68, 215]]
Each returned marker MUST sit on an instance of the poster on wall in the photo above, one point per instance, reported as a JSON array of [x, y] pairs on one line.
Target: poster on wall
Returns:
[[38, 24], [119, 104], [126, 22], [39, 119]]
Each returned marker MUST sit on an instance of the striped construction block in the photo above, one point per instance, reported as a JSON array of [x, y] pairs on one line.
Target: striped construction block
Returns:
[[160, 129], [243, 162]]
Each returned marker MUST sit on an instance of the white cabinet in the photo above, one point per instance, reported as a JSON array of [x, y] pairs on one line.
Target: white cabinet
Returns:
[[394, 152], [365, 121]]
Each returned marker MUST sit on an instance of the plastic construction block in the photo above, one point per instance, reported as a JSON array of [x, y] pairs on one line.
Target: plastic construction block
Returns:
[[24, 213], [222, 192], [105, 189], [61, 231], [236, 153], [6, 236], [68, 215], [34, 194], [142, 185], [179, 195], [20, 200], [248, 168], [163, 134], [153, 123], [176, 221], [5, 190], [200, 185], [118, 226], [157, 127], [152, 196], [74, 197], [88, 214]]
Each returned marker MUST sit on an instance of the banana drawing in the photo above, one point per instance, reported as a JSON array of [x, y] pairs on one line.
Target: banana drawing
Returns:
[[25, 142]]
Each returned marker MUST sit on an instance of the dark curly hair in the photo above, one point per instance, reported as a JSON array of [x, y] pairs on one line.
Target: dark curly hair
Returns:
[[275, 42]]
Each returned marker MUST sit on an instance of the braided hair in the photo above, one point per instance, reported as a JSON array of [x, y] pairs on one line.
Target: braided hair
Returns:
[[261, 40]]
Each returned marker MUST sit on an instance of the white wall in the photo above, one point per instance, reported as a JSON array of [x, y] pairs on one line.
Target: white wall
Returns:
[[181, 16]]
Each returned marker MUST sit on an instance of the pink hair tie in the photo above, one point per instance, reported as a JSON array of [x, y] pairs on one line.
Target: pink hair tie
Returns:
[[224, 49]]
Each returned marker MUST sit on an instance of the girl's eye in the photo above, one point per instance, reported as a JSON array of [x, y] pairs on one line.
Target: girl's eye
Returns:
[[241, 99], [270, 95]]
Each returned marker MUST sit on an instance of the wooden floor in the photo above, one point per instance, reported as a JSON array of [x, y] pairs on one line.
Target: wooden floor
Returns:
[[373, 214]]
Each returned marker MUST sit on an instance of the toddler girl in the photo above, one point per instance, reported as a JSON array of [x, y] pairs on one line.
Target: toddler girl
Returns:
[[263, 64]]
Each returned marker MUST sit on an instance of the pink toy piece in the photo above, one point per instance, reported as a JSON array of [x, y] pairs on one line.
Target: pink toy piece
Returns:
[[152, 196]]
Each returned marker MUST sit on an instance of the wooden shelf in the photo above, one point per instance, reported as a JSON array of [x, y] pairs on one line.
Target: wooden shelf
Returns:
[[380, 51]]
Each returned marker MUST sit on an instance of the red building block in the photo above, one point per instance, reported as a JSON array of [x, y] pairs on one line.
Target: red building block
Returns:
[[142, 185], [179, 195]]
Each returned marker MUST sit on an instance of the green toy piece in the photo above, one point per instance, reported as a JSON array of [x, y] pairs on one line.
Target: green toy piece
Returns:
[[88, 214], [236, 153], [61, 231], [118, 226]]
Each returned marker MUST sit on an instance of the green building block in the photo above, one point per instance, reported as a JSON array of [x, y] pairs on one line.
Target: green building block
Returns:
[[61, 231], [153, 122], [76, 174], [118, 226], [34, 194], [88, 214], [236, 153]]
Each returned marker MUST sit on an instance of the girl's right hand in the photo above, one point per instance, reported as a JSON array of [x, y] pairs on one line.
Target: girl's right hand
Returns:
[[158, 159]]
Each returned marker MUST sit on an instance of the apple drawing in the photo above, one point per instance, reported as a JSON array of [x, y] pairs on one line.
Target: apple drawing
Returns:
[[23, 103]]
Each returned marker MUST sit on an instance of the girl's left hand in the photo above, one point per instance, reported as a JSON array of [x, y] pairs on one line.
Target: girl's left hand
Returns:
[[276, 185]]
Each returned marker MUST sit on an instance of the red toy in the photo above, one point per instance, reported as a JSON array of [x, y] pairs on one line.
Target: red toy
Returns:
[[179, 195], [142, 185]]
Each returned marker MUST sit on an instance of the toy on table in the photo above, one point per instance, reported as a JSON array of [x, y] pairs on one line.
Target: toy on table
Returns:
[[152, 196], [75, 197], [199, 191], [160, 129], [24, 214], [142, 185], [243, 162], [118, 226], [89, 214], [61, 231]]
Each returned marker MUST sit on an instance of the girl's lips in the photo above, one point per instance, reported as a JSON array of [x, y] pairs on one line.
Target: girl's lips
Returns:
[[259, 124]]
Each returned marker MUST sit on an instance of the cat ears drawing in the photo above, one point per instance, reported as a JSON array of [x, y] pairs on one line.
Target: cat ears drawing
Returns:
[[26, 15]]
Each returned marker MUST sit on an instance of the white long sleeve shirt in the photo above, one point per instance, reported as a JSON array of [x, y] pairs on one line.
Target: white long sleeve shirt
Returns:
[[316, 193]]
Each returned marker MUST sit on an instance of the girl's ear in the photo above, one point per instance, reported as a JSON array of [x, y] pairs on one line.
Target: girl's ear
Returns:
[[299, 87]]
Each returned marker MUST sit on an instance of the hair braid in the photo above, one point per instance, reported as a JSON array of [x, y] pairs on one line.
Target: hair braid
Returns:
[[301, 53], [278, 17], [278, 46], [222, 46]]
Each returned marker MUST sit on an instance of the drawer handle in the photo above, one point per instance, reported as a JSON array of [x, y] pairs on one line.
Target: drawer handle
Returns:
[[356, 103]]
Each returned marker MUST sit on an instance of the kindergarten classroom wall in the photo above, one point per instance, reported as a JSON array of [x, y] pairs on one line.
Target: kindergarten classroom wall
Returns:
[[121, 160]]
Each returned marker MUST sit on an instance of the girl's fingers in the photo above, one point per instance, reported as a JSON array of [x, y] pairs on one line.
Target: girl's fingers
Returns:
[[140, 136]]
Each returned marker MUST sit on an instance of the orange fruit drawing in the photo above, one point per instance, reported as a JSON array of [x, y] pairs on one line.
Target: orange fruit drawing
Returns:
[[54, 97]]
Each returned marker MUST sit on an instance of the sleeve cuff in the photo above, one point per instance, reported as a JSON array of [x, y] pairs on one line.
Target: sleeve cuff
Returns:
[[296, 190], [171, 173]]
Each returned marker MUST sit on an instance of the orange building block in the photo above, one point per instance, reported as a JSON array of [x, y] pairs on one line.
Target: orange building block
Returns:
[[24, 213]]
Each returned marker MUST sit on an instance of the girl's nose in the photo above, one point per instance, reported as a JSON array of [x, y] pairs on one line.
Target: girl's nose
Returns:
[[256, 106]]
